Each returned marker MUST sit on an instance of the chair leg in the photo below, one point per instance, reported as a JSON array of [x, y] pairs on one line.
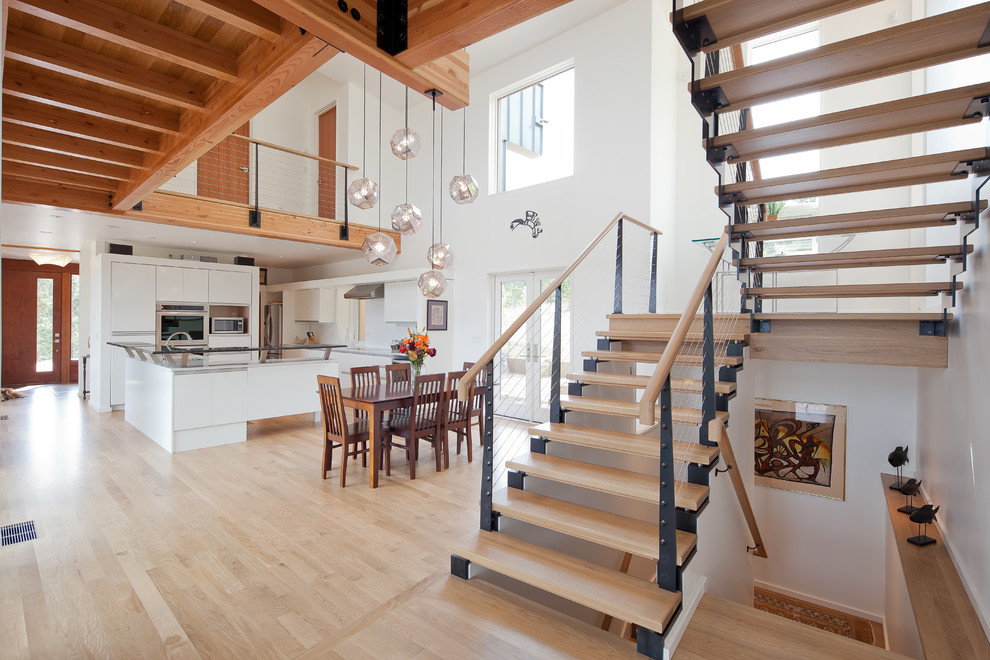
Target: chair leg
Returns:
[[364, 455], [467, 432], [343, 465], [412, 448], [327, 456]]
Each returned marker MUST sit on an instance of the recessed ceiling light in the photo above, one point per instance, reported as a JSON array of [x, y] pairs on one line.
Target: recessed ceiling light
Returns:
[[317, 248], [113, 226], [152, 238], [54, 216], [279, 256], [212, 236], [42, 231]]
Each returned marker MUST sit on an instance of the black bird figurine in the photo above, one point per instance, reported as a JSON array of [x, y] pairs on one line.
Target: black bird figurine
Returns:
[[923, 516], [897, 459], [910, 488]]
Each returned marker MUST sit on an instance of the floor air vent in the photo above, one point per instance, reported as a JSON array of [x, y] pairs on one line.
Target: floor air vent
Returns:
[[11, 534]]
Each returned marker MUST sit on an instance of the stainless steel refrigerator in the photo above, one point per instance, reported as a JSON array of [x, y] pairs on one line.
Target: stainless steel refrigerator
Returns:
[[273, 327]]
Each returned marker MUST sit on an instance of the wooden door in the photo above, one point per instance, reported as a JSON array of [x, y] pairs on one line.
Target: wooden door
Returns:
[[40, 342], [328, 172], [223, 172]]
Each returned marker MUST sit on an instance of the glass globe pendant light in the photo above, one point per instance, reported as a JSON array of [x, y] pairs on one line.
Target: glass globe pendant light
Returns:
[[463, 188], [440, 256], [406, 217], [379, 248], [363, 192], [432, 283]]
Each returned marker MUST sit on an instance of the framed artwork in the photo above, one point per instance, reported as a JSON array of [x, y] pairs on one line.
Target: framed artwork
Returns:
[[436, 315], [262, 276], [801, 447]]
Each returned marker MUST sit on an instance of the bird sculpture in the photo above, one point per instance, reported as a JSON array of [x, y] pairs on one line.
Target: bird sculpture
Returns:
[[532, 221], [910, 488], [897, 459], [923, 516]]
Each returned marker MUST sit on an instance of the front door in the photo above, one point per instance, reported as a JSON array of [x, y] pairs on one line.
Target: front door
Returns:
[[523, 383]]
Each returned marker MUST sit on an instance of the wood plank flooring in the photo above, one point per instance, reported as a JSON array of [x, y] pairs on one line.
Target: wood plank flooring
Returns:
[[243, 551]]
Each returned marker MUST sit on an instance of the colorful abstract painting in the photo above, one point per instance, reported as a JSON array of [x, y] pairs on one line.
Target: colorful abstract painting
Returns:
[[800, 446]]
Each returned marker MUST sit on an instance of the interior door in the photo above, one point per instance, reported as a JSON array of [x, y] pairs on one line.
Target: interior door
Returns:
[[327, 188], [222, 172], [523, 384]]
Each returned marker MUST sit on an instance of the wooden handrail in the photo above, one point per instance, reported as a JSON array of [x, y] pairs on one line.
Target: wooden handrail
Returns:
[[716, 431], [535, 305], [652, 393], [293, 151]]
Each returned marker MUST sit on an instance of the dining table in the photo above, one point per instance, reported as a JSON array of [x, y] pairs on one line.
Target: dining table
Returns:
[[375, 400]]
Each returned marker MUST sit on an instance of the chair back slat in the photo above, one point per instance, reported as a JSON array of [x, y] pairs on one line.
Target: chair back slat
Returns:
[[365, 376], [428, 400], [398, 373], [458, 410], [332, 405]]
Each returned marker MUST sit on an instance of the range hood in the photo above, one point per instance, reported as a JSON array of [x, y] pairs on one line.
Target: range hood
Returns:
[[366, 292]]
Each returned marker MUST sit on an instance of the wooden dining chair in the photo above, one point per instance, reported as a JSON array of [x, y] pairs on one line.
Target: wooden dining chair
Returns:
[[424, 421], [458, 416], [478, 407], [398, 373], [364, 377], [351, 438]]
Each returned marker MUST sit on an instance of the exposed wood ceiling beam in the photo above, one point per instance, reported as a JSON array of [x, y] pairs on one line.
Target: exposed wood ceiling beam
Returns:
[[438, 28], [448, 74], [60, 120], [30, 156], [27, 191], [246, 16], [131, 31], [24, 46], [267, 71], [31, 136], [52, 175], [35, 85]]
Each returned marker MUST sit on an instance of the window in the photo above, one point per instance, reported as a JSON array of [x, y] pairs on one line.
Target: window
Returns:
[[535, 130]]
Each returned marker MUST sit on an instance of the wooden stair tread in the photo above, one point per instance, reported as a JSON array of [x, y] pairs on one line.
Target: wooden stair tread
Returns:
[[858, 259], [649, 356], [911, 115], [606, 590], [609, 529], [626, 443], [871, 176], [660, 335], [723, 629], [850, 316], [736, 21], [855, 290], [665, 317], [679, 415], [640, 381], [912, 217], [614, 481], [917, 44]]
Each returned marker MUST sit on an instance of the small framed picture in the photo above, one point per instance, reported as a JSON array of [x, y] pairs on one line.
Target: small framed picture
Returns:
[[262, 276], [436, 315]]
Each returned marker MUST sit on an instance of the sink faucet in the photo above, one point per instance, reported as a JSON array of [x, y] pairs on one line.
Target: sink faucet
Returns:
[[168, 342]]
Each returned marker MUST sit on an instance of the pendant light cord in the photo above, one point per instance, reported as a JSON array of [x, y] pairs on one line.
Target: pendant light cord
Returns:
[[433, 191], [364, 122], [406, 159], [379, 145], [440, 193], [464, 141]]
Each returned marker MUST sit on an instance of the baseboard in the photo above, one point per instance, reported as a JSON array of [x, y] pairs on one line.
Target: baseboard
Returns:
[[886, 640], [818, 601], [687, 611]]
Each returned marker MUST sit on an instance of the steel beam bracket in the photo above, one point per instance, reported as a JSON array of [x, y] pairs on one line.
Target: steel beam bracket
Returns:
[[968, 167], [460, 567], [978, 107], [393, 26], [693, 35], [721, 154], [649, 643]]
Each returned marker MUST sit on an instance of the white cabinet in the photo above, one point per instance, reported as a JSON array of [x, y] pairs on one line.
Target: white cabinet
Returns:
[[316, 305], [179, 284], [132, 298], [229, 341], [118, 360], [401, 299], [230, 288], [209, 399]]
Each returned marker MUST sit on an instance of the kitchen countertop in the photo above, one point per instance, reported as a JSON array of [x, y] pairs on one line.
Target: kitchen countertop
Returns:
[[377, 351], [198, 357]]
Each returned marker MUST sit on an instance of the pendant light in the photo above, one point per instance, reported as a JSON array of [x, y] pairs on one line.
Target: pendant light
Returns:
[[363, 192], [405, 142], [432, 283], [439, 255], [379, 248], [406, 218], [463, 187]]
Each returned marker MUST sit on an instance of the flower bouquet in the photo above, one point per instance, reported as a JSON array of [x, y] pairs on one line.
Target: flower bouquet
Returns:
[[417, 347]]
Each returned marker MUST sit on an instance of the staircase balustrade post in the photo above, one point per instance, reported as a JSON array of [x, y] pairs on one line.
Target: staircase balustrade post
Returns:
[[488, 522], [555, 414], [653, 278], [345, 230], [254, 215], [707, 370], [667, 564], [617, 305]]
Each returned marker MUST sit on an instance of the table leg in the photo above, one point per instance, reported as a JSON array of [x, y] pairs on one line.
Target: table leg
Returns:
[[374, 438]]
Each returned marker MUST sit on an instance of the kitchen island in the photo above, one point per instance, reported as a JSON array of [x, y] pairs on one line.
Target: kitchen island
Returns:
[[182, 400]]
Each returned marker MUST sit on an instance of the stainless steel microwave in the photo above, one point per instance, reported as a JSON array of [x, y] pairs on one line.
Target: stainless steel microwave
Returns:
[[226, 325]]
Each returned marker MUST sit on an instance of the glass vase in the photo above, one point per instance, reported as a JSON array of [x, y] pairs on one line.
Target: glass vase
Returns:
[[417, 367]]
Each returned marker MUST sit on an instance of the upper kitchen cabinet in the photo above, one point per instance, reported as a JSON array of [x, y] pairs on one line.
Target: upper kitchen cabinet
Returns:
[[230, 287], [179, 284], [132, 297], [316, 305], [400, 302]]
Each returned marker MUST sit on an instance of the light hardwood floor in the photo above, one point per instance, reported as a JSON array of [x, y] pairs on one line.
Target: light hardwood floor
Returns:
[[242, 551]]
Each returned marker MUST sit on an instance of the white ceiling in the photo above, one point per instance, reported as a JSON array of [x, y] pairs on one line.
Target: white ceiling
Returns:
[[41, 227]]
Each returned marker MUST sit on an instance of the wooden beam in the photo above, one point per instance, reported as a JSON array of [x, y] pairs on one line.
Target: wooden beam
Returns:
[[135, 32], [70, 122], [34, 85], [324, 19], [35, 193], [189, 211], [30, 136], [246, 16], [53, 175], [437, 29], [21, 154], [24, 46], [267, 71]]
